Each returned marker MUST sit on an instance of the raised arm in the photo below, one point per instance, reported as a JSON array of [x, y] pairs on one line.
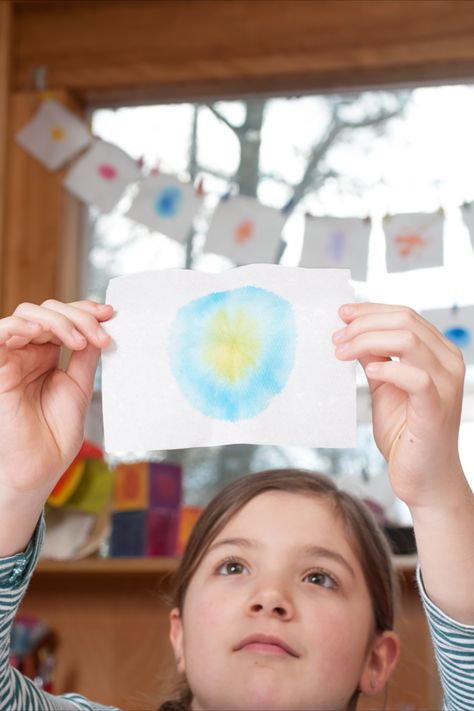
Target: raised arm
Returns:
[[42, 408], [416, 409]]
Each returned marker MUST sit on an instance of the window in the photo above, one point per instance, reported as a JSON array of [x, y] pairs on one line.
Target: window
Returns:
[[335, 155]]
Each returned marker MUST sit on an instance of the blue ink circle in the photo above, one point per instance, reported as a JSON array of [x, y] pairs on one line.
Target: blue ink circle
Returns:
[[250, 326], [169, 201], [460, 336]]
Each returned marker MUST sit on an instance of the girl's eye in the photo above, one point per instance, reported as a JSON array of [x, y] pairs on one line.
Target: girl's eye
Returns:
[[319, 577], [232, 567]]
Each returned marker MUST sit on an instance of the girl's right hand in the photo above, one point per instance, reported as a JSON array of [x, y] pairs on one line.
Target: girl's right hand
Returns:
[[43, 408]]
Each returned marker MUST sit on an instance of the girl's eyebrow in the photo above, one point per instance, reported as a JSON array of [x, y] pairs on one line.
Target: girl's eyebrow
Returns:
[[244, 542], [313, 551], [321, 552]]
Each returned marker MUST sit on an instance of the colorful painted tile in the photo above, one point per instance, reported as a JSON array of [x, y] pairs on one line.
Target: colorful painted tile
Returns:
[[129, 533], [187, 520], [165, 482], [162, 532], [131, 486]]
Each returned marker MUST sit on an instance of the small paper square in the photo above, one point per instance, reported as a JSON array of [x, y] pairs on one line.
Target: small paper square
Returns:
[[414, 241], [457, 324], [54, 135], [338, 243], [245, 231], [167, 205], [101, 175]]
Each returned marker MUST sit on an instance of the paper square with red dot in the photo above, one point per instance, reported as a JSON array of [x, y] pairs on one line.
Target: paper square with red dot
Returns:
[[54, 135], [167, 205], [101, 175], [245, 231]]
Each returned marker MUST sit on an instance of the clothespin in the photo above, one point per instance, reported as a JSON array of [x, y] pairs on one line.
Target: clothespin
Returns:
[[454, 310], [367, 220], [200, 187], [40, 82], [140, 162]]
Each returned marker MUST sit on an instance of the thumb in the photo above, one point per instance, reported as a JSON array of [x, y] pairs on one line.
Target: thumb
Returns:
[[82, 366]]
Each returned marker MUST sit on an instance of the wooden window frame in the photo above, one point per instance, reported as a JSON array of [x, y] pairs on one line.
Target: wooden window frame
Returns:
[[118, 52]]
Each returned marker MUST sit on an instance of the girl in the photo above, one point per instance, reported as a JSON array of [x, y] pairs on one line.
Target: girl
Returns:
[[284, 597]]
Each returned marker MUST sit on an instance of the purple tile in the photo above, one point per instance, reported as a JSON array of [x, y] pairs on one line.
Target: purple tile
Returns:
[[165, 486]]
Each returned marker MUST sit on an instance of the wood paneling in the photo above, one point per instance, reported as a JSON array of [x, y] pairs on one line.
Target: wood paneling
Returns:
[[112, 634], [35, 246], [5, 29], [109, 50]]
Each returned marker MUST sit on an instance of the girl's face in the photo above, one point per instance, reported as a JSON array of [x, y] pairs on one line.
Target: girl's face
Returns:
[[278, 614]]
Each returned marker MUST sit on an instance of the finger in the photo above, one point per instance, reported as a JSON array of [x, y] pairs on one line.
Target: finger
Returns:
[[15, 327], [102, 312], [401, 320], [350, 312], [418, 384], [81, 368], [72, 326], [405, 345], [86, 316]]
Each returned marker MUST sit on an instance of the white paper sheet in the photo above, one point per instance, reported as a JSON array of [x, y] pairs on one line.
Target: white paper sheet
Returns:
[[54, 135], [245, 231], [457, 324], [414, 241], [167, 205], [240, 357], [337, 242]]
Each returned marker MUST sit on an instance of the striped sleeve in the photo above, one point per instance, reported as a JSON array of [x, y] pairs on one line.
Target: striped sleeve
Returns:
[[454, 650], [17, 692]]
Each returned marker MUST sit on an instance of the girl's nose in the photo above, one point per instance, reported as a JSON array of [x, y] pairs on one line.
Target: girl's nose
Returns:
[[271, 603]]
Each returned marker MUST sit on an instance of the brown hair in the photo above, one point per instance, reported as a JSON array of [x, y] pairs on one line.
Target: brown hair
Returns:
[[368, 541]]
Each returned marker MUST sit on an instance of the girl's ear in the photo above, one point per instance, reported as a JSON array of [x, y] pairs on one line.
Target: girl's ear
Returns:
[[380, 662], [176, 638]]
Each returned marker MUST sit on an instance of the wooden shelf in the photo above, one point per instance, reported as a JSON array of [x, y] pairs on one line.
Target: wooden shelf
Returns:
[[104, 566]]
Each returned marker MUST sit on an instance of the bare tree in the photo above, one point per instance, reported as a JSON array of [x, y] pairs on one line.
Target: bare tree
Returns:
[[368, 110]]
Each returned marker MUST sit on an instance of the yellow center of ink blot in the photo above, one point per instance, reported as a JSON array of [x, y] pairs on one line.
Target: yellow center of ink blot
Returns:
[[232, 344], [57, 133]]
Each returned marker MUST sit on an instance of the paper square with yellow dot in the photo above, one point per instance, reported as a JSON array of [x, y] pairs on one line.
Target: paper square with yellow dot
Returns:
[[54, 135]]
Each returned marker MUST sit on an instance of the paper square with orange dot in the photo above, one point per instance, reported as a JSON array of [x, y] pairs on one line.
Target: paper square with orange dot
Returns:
[[245, 231]]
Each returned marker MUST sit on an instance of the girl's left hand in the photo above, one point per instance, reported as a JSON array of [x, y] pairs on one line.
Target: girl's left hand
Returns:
[[416, 400]]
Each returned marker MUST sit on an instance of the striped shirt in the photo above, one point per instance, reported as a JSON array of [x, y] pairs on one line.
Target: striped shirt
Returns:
[[453, 643]]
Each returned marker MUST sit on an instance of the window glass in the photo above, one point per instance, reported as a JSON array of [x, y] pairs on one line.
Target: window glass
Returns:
[[368, 154]]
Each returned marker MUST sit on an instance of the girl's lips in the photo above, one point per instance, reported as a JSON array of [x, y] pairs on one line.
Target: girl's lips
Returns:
[[266, 644]]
